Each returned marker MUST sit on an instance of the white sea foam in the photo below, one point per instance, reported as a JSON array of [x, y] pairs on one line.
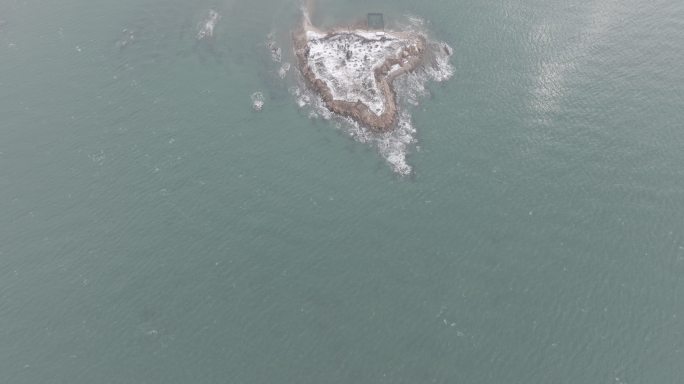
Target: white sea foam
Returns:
[[206, 27], [276, 52], [127, 38], [415, 21], [257, 101], [393, 146], [282, 72], [440, 69]]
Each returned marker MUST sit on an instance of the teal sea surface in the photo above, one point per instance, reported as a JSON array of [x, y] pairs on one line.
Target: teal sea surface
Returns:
[[155, 229]]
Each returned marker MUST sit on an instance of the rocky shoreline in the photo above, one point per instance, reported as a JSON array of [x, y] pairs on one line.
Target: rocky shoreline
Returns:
[[399, 61]]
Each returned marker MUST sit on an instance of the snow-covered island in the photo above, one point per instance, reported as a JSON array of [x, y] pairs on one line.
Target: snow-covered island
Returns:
[[353, 69]]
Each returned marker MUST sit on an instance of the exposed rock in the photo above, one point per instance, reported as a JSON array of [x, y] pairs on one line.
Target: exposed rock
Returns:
[[353, 70]]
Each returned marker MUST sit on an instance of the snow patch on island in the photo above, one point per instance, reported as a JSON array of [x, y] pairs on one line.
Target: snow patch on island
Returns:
[[346, 62]]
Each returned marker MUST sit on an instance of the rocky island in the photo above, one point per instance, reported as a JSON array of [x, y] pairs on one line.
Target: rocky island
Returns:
[[353, 69]]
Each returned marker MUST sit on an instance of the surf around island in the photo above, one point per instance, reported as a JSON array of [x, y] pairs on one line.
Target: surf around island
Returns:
[[368, 76]]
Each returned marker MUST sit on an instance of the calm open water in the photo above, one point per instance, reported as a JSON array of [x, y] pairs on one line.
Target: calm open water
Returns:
[[154, 229]]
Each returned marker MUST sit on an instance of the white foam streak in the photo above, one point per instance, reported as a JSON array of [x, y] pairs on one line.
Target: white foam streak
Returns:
[[206, 28]]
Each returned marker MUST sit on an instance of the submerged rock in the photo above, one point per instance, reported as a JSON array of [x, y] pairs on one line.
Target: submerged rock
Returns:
[[257, 101], [282, 72], [276, 52], [206, 27]]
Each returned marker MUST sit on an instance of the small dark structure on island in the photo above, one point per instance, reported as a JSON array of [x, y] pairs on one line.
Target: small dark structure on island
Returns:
[[375, 21]]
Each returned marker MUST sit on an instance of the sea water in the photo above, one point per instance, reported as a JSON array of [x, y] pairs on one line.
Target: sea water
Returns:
[[155, 228]]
